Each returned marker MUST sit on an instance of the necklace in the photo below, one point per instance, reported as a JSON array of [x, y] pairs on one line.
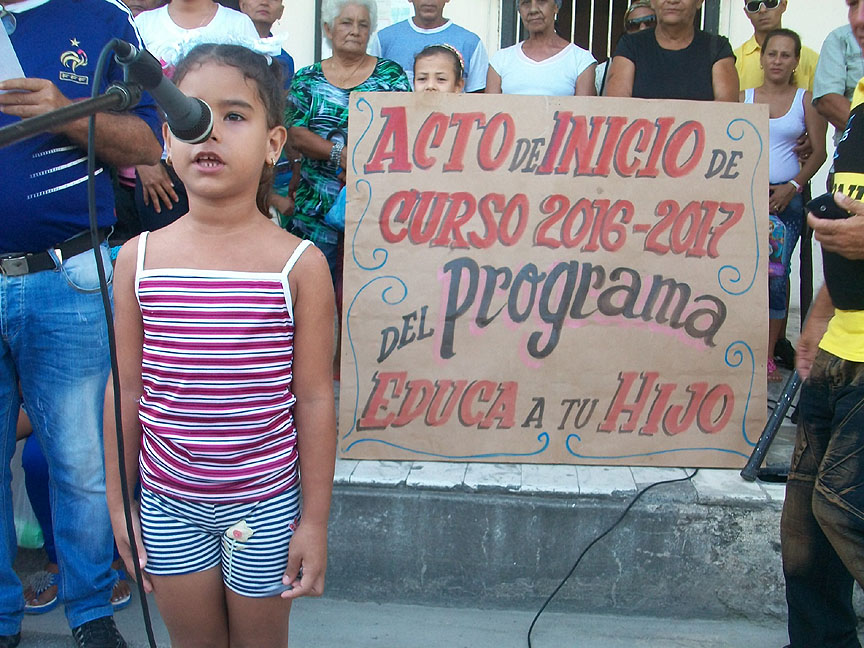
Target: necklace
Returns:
[[343, 76]]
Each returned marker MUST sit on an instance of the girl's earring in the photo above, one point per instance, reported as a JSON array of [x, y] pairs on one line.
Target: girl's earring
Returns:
[[168, 160]]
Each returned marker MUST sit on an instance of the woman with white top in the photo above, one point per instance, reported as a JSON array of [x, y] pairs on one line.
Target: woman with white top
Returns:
[[543, 64], [792, 114]]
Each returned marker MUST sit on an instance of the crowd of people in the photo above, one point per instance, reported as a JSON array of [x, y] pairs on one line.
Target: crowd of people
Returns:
[[224, 319]]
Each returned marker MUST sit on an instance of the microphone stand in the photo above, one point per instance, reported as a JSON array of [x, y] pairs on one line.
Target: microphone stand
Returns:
[[117, 97]]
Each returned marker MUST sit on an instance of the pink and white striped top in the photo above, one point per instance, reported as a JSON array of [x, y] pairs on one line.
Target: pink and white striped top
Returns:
[[217, 412]]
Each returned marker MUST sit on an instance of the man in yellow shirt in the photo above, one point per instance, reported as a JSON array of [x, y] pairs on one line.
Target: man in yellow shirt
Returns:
[[766, 15]]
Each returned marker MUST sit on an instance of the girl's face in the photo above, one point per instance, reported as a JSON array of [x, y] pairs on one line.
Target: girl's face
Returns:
[[779, 60], [229, 163], [436, 74], [538, 15]]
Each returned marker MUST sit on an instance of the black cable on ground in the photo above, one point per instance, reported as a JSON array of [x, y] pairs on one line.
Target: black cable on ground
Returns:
[[598, 539], [112, 345]]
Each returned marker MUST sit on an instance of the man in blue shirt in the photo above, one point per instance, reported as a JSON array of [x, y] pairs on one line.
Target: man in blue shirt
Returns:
[[54, 345], [400, 42]]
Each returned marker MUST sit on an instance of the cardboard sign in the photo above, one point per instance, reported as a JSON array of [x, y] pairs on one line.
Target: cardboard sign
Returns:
[[554, 280]]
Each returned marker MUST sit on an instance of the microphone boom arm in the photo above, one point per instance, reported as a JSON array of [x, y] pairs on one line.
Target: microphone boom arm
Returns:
[[116, 98]]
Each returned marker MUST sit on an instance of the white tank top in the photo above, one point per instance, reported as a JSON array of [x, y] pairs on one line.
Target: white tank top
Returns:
[[784, 132]]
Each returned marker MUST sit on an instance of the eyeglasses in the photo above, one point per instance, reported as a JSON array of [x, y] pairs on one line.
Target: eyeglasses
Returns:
[[755, 5], [633, 24], [8, 20]]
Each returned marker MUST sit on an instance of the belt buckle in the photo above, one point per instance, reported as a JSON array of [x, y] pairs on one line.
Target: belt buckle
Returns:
[[14, 266]]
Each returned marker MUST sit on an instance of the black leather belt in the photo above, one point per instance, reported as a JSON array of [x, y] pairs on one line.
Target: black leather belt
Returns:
[[22, 263]]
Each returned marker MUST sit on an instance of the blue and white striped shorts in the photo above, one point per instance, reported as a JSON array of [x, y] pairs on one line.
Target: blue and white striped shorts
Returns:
[[250, 540]]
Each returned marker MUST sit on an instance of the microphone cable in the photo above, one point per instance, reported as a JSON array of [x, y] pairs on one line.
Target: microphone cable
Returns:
[[112, 344], [598, 539]]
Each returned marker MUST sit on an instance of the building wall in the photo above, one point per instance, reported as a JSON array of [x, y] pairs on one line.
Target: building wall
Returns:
[[812, 19], [297, 25]]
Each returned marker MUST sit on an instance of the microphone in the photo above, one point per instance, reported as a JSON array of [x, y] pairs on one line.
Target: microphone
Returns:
[[189, 119]]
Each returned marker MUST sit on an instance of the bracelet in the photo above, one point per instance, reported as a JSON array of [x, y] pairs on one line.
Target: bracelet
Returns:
[[797, 186], [336, 153]]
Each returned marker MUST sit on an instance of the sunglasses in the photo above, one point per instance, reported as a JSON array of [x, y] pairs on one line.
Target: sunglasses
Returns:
[[755, 5], [634, 23], [8, 20]]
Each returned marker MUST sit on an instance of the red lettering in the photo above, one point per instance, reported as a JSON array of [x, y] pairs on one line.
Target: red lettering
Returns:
[[644, 129], [422, 229], [378, 401], [416, 401], [435, 127], [580, 145], [478, 391], [395, 130], [706, 422], [503, 409], [621, 406], [463, 123], [440, 410], [672, 151], [562, 121], [518, 203], [403, 203], [610, 142], [451, 229], [487, 203], [485, 157], [658, 408], [677, 419], [664, 125]]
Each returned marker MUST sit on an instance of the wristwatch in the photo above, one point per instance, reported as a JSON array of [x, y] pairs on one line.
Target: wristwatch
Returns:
[[797, 186], [336, 153]]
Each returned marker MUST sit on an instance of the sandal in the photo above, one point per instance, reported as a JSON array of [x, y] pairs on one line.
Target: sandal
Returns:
[[41, 582], [774, 375], [122, 601]]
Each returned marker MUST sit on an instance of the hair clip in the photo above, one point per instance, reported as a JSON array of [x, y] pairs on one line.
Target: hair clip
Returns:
[[458, 54]]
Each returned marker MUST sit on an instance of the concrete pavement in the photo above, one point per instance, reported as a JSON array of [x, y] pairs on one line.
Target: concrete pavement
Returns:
[[328, 623]]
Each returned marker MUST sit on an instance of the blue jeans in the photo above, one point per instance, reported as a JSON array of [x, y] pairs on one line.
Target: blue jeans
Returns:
[[55, 343], [793, 218], [822, 528]]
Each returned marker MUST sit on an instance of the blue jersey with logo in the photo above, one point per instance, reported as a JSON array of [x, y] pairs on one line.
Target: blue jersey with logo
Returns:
[[43, 180]]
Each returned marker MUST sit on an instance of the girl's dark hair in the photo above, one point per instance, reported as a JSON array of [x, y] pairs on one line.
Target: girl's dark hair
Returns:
[[447, 50], [788, 33], [267, 76]]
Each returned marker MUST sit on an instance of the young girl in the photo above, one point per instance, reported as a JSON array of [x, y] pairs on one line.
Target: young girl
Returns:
[[439, 68], [225, 342]]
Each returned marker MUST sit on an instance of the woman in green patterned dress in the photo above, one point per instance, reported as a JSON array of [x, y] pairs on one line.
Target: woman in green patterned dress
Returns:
[[317, 115]]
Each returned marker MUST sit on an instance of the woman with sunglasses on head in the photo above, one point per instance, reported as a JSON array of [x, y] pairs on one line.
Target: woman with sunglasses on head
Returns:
[[792, 115], [674, 60], [639, 16], [543, 64]]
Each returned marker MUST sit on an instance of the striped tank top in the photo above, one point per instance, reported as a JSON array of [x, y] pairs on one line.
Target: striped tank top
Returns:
[[217, 410]]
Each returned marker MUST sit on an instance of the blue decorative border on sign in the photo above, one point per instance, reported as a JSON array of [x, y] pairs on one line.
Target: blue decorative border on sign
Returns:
[[377, 253], [385, 299], [732, 273], [735, 352], [642, 454], [543, 438]]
